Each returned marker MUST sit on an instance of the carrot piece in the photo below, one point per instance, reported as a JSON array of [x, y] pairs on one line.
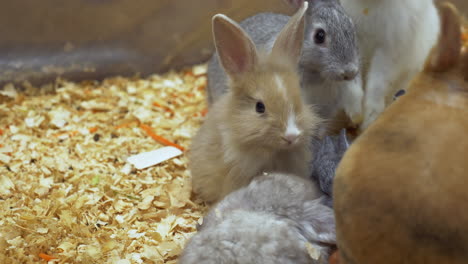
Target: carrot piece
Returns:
[[201, 87], [92, 129], [125, 124], [167, 109], [1, 146], [46, 257], [465, 36], [204, 112], [158, 138], [70, 133], [1, 132]]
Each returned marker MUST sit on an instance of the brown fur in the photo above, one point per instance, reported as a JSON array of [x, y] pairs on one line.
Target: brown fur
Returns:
[[236, 143], [401, 190]]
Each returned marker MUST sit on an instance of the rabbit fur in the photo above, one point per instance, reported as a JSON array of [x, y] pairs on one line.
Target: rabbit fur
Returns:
[[324, 68], [400, 190], [261, 123], [274, 219]]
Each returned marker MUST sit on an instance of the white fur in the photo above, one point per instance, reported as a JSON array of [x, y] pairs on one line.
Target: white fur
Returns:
[[280, 85], [395, 38], [291, 128]]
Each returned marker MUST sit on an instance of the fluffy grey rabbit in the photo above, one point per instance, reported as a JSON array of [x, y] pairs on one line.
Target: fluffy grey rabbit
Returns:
[[329, 57], [328, 154], [277, 218]]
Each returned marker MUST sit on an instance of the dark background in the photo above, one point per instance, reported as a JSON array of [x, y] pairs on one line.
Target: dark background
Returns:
[[93, 39]]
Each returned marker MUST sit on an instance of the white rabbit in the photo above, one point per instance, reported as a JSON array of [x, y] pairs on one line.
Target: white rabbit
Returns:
[[395, 38]]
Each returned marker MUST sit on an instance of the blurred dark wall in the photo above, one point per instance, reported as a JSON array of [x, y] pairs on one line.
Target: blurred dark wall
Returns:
[[92, 39]]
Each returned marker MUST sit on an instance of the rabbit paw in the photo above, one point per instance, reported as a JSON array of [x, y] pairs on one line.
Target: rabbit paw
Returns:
[[354, 112], [352, 101]]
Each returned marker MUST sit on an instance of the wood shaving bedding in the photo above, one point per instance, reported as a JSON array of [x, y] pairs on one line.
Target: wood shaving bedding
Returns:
[[67, 193]]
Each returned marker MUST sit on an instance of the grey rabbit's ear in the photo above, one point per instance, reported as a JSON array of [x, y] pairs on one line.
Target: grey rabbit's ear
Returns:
[[318, 223], [236, 51], [291, 37]]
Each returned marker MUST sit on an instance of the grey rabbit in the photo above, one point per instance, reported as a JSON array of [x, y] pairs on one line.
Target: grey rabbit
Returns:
[[329, 59], [328, 154], [277, 218]]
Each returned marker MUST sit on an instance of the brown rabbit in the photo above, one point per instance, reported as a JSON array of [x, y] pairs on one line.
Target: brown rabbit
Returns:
[[401, 190], [262, 123]]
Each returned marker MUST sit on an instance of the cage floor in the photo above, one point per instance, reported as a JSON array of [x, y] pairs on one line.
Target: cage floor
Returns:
[[66, 192]]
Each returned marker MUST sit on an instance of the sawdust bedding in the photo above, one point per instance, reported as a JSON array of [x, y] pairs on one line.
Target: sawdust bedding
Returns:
[[68, 195]]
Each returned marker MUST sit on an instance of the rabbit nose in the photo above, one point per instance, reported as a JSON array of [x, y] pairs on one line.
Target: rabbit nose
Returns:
[[350, 73], [290, 138]]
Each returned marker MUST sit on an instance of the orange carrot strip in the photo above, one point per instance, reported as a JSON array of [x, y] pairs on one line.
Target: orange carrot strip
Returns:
[[93, 129], [167, 109], [465, 36], [46, 257], [204, 112], [125, 124], [70, 133], [1, 132], [158, 138], [1, 146], [201, 87]]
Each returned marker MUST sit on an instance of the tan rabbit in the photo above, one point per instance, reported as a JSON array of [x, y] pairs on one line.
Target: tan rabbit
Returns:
[[262, 123], [401, 189]]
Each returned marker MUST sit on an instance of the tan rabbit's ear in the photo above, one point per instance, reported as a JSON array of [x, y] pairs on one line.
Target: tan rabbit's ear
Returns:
[[236, 50], [446, 53], [291, 37]]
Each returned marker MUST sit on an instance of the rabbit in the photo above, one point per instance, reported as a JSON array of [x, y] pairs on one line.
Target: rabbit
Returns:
[[274, 219], [262, 123], [395, 38], [400, 191], [327, 155], [329, 60]]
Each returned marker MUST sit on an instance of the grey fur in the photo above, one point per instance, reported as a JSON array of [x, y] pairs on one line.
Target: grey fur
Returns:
[[320, 66], [328, 154], [269, 221]]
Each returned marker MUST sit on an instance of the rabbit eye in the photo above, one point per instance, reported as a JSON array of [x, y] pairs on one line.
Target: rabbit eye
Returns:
[[320, 36], [260, 107]]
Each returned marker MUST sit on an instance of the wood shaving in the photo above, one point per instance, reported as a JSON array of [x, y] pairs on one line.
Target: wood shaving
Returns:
[[66, 190]]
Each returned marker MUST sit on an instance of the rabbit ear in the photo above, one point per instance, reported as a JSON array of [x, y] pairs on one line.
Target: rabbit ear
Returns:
[[447, 51], [236, 50], [291, 37], [295, 3], [318, 223]]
